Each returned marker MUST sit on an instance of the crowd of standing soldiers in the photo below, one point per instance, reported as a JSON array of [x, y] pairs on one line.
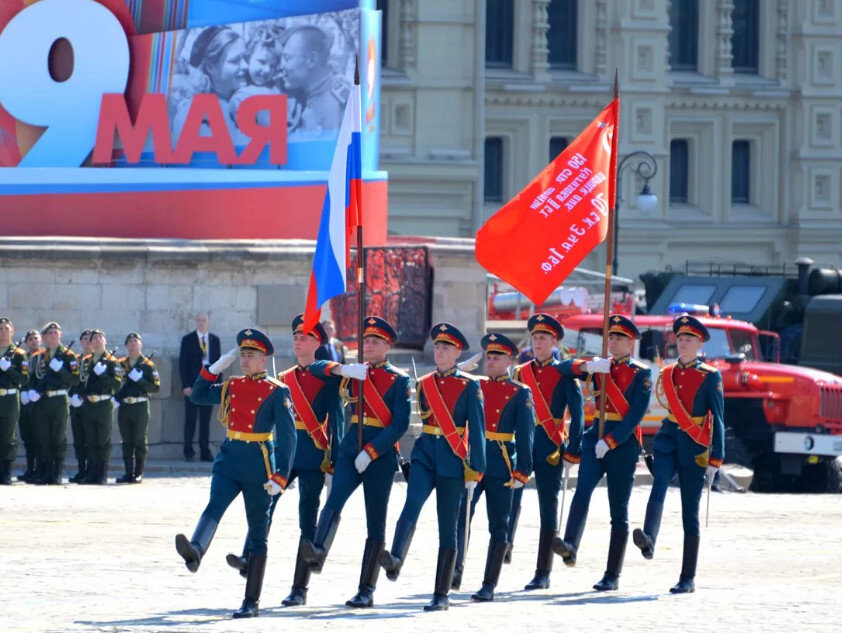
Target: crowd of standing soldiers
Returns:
[[43, 383]]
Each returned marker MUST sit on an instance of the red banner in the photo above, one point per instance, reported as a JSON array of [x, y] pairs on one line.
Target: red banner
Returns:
[[536, 240]]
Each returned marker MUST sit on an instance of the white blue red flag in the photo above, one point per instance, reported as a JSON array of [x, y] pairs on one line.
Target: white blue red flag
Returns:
[[341, 214]]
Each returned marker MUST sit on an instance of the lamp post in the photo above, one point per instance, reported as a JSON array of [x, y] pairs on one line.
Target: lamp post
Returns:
[[646, 167]]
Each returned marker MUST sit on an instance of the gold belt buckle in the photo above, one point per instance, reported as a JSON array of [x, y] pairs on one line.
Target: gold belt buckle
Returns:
[[237, 435]]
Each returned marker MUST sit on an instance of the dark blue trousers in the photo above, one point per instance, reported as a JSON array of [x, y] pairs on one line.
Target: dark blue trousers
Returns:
[[548, 483], [691, 479], [498, 503], [310, 484], [376, 481], [618, 466], [224, 490], [422, 481]]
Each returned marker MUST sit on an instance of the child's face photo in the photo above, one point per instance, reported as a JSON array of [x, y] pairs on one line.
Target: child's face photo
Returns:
[[263, 65]]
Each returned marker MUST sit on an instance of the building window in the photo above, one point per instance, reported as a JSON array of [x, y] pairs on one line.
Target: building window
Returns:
[[499, 33], [745, 42], [561, 15], [557, 145], [493, 191], [679, 170], [684, 36], [740, 172], [383, 7]]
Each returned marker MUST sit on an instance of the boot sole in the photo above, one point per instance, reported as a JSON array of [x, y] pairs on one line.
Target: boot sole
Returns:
[[185, 550], [640, 541]]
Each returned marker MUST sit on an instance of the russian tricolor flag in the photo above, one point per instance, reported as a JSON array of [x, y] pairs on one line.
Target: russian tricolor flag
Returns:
[[341, 214]]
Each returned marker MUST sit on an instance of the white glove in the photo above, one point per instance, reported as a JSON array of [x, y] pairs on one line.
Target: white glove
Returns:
[[471, 364], [470, 486], [328, 483], [5, 363], [24, 397], [56, 364], [135, 374], [224, 362], [357, 371], [272, 487], [99, 369], [75, 401], [517, 483], [116, 403], [598, 366], [711, 473], [34, 396], [568, 466], [362, 461], [601, 449]]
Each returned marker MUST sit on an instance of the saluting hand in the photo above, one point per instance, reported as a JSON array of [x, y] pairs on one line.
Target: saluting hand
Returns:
[[224, 362], [470, 364]]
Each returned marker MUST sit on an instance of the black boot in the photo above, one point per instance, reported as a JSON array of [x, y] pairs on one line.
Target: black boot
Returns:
[[368, 576], [392, 561], [92, 474], [544, 564], [102, 473], [30, 469], [56, 468], [240, 563], [644, 542], [456, 583], [686, 582], [300, 581], [42, 474], [128, 477], [193, 550], [616, 552], [493, 565], [315, 552], [513, 521], [5, 473], [566, 550], [139, 467], [80, 475], [444, 578], [254, 585]]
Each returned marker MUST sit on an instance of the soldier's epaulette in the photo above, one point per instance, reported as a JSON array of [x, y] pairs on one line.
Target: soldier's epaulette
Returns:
[[87, 356], [474, 377], [518, 383], [35, 353], [122, 359], [708, 368], [20, 352], [637, 364], [397, 370]]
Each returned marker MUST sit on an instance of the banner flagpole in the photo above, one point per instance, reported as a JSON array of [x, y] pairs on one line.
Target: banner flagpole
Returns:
[[360, 280]]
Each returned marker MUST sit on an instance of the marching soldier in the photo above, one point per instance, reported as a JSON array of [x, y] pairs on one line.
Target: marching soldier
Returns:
[[52, 372], [386, 419], [690, 442], [509, 429], [449, 456], [627, 386], [255, 459], [78, 406], [556, 447], [14, 373], [103, 381], [32, 342], [133, 413]]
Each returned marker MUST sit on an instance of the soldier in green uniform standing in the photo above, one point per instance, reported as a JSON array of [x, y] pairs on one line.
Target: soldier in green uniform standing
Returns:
[[14, 372], [77, 408], [32, 343], [133, 413], [104, 380], [52, 372]]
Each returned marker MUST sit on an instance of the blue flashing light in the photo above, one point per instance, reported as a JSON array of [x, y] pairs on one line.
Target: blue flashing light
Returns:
[[694, 309]]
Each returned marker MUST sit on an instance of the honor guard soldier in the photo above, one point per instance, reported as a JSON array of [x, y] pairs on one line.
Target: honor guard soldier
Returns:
[[141, 380], [449, 456], [78, 407], [52, 372], [626, 386], [104, 380], [14, 374], [387, 407], [32, 344], [556, 446], [255, 459], [690, 442], [509, 429]]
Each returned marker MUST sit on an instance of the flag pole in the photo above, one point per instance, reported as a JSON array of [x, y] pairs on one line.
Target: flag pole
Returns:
[[360, 283], [609, 256]]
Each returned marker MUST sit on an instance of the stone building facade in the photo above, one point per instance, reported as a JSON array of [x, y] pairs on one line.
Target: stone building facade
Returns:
[[737, 100]]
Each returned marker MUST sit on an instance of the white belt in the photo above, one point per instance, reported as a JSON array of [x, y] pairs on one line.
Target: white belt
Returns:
[[131, 400], [98, 398], [8, 392], [58, 392]]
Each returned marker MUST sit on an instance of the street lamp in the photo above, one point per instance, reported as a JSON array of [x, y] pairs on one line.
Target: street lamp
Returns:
[[646, 167]]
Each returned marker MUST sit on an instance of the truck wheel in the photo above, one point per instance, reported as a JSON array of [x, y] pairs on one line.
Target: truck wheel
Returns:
[[767, 474], [736, 451], [826, 476]]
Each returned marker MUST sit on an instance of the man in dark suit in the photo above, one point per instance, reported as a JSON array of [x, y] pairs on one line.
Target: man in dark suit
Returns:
[[334, 350], [199, 349]]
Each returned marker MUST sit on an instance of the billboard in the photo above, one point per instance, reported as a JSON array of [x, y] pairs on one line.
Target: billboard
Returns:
[[223, 108]]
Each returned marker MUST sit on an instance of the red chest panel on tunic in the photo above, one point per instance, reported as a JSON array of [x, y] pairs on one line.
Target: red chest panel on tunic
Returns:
[[687, 383], [622, 374], [245, 397], [547, 378], [310, 385], [450, 389], [382, 380], [497, 395]]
